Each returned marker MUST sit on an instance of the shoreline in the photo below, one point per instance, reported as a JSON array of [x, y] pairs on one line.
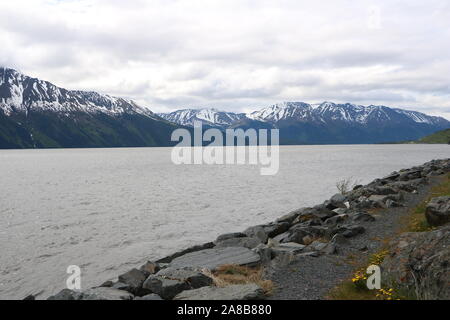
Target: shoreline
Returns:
[[307, 233]]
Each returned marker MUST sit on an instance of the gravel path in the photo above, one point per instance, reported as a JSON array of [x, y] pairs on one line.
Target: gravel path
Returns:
[[311, 278]]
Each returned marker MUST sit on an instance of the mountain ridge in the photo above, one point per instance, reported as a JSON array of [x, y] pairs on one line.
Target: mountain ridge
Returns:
[[37, 114]]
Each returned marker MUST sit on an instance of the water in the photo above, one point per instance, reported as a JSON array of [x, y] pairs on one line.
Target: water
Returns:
[[108, 210]]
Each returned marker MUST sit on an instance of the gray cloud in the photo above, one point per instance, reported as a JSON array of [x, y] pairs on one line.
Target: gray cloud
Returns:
[[236, 54]]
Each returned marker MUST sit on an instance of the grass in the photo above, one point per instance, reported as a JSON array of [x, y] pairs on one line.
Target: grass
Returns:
[[416, 221], [230, 274], [355, 288]]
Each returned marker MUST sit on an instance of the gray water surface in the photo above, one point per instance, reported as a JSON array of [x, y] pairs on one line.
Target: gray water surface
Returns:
[[109, 210]]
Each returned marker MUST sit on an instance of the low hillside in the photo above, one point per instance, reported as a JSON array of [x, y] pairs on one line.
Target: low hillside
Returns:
[[438, 137]]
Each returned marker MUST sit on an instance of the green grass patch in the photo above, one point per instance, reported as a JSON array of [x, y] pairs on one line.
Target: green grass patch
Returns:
[[416, 221]]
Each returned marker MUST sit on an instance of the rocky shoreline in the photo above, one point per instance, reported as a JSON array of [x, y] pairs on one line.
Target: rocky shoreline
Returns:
[[319, 231]]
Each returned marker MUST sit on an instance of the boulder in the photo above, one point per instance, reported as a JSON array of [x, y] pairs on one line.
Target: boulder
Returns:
[[298, 233], [274, 229], [233, 292], [66, 294], [418, 265], [348, 231], [212, 258], [437, 211], [336, 201], [246, 242], [319, 212], [150, 268], [194, 277], [133, 281], [257, 232], [165, 288], [291, 216], [103, 293], [340, 218]]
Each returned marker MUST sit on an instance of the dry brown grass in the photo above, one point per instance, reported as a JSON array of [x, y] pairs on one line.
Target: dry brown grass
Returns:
[[230, 274]]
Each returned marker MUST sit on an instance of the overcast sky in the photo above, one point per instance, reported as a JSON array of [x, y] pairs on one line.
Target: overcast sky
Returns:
[[236, 55]]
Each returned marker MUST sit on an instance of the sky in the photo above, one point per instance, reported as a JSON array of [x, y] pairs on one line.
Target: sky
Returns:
[[236, 55]]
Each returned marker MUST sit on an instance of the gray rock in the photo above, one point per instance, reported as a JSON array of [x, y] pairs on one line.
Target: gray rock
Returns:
[[228, 236], [339, 211], [336, 201], [212, 258], [66, 294], [102, 293], [291, 216], [339, 239], [274, 229], [340, 218], [194, 277], [257, 232], [418, 265], [133, 279], [150, 268], [121, 286], [151, 296], [107, 284], [362, 217], [196, 248], [264, 252], [385, 190], [290, 247], [437, 211], [165, 288], [353, 231], [319, 212], [246, 242], [348, 231], [233, 292]]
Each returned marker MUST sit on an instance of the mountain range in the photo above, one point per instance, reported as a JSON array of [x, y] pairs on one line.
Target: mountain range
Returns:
[[325, 123], [37, 114]]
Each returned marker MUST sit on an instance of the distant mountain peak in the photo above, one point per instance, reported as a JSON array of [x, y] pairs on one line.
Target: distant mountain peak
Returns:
[[207, 116]]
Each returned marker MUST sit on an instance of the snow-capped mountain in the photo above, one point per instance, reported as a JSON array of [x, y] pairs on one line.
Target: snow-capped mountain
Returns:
[[37, 114], [20, 93], [327, 112], [325, 123], [210, 117]]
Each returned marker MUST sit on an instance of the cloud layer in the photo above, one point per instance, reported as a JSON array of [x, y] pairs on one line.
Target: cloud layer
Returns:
[[236, 55]]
